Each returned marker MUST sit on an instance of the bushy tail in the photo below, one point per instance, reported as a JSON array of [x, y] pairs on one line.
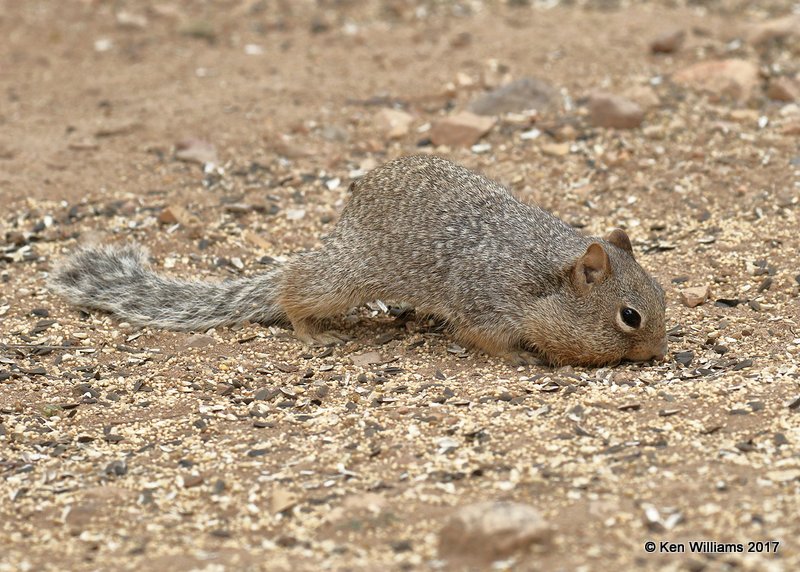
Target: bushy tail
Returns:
[[118, 280]]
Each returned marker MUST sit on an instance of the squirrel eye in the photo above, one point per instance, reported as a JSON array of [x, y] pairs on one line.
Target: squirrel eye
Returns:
[[631, 317]]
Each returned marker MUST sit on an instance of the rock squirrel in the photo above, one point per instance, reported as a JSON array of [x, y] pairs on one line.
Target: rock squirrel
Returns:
[[507, 277]]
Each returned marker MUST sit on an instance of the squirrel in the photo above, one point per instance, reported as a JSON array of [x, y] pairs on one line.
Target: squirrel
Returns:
[[509, 278]]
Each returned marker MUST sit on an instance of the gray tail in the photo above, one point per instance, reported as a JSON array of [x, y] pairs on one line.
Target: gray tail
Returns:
[[118, 280]]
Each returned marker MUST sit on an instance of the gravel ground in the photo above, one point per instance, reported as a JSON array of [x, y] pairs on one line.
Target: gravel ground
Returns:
[[224, 137]]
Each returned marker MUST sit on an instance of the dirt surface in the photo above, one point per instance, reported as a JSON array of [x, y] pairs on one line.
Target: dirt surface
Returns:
[[241, 448]]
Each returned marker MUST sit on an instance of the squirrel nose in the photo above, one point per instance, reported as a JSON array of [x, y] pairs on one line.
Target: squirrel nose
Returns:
[[649, 353], [661, 350]]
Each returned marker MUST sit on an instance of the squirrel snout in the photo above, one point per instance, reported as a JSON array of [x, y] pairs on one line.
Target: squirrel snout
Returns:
[[661, 351], [656, 353]]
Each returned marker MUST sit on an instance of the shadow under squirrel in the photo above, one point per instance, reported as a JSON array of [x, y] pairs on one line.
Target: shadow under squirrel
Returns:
[[507, 277]]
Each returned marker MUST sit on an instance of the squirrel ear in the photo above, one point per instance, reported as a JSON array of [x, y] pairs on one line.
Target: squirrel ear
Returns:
[[618, 238], [591, 268]]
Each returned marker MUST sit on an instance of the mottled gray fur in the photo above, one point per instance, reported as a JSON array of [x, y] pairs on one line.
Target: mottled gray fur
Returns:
[[420, 230], [118, 280]]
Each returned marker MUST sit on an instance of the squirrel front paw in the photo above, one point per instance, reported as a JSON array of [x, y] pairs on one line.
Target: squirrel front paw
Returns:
[[522, 357]]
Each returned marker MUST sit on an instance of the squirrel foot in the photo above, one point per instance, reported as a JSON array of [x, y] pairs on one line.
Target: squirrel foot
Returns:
[[522, 357], [328, 338], [313, 337]]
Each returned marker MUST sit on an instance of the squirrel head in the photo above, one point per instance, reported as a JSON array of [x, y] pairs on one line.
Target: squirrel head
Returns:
[[610, 309]]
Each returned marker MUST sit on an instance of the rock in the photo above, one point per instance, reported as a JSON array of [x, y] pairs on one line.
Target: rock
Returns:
[[286, 147], [117, 468], [461, 40], [744, 116], [556, 149], [7, 152], [364, 508], [518, 96], [784, 89], [692, 297], [191, 480], [176, 214], [77, 518], [117, 128], [464, 80], [643, 95], [94, 506], [240, 208], [364, 502], [282, 500], [791, 128], [668, 43], [684, 358], [394, 123], [253, 50], [367, 164], [733, 78], [17, 238], [333, 134], [778, 29], [103, 45], [196, 151], [199, 29], [295, 214], [495, 74], [608, 110], [784, 475], [367, 358], [198, 341], [167, 11], [460, 130], [82, 145], [490, 531], [256, 240], [131, 21]]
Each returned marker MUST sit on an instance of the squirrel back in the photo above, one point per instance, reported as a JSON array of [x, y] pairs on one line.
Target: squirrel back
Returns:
[[507, 276]]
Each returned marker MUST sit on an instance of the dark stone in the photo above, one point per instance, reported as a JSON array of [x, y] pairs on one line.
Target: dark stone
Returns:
[[520, 95], [684, 358]]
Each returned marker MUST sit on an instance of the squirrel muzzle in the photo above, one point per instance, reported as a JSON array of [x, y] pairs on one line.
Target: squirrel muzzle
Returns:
[[657, 353]]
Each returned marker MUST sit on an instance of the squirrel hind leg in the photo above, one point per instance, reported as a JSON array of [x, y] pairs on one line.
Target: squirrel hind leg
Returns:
[[309, 298], [313, 333], [309, 318]]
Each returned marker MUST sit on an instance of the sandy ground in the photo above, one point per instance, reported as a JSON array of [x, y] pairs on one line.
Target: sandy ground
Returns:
[[125, 448]]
